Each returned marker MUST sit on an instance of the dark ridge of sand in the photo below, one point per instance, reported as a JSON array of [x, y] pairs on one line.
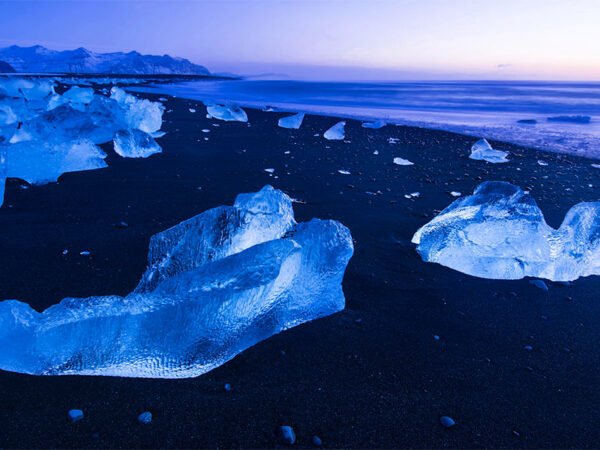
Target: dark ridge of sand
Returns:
[[370, 376]]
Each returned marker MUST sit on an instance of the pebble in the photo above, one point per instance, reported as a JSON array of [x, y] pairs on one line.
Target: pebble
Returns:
[[145, 417], [447, 422], [75, 415], [539, 284], [316, 441], [227, 387], [287, 434], [529, 348]]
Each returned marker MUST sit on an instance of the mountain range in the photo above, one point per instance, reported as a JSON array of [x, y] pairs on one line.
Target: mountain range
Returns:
[[38, 59]]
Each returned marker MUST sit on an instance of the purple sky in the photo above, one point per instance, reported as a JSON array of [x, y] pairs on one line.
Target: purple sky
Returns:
[[349, 39]]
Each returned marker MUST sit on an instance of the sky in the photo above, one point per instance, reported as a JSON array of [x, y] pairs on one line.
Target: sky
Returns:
[[330, 39]]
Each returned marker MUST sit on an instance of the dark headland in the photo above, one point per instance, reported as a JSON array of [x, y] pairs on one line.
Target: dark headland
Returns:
[[373, 375]]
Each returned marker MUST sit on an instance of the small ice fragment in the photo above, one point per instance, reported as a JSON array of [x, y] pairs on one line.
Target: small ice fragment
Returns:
[[270, 170], [75, 415], [455, 194], [292, 122], [192, 110], [596, 166], [336, 132], [135, 144], [402, 162], [206, 130], [542, 162], [344, 172], [483, 151], [374, 125], [376, 152], [84, 253], [228, 113], [393, 140]]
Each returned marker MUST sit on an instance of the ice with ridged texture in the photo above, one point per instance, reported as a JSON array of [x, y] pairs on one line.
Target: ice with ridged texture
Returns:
[[216, 284], [336, 132], [499, 232], [135, 144], [483, 151], [228, 113], [293, 122]]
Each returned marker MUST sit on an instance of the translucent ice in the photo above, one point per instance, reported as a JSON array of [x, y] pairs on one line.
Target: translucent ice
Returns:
[[229, 113], [336, 132], [135, 144], [499, 232], [44, 134], [216, 284], [482, 150], [293, 122], [374, 125]]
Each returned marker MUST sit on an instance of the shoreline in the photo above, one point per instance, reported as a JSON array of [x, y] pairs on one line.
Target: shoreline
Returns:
[[372, 375]]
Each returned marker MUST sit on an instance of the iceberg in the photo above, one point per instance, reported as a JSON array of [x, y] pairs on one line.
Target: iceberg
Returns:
[[229, 113], [135, 144], [499, 232], [483, 151], [336, 132], [293, 122], [216, 284]]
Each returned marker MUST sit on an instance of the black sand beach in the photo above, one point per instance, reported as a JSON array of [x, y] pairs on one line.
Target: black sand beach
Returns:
[[370, 376]]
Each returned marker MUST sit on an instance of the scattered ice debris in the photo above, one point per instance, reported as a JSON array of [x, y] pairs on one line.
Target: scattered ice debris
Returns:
[[540, 284], [135, 144], [292, 122], [499, 232], [288, 436], [483, 151], [229, 113], [202, 300], [336, 132], [75, 415], [145, 418], [270, 170], [44, 134], [344, 172], [403, 162], [412, 195], [571, 119], [455, 194], [447, 422], [542, 162], [192, 110], [374, 125]]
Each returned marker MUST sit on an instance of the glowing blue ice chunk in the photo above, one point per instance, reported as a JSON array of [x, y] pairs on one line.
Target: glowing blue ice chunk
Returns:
[[499, 232], [140, 114], [135, 144], [336, 132], [483, 151], [293, 122], [216, 284], [229, 113]]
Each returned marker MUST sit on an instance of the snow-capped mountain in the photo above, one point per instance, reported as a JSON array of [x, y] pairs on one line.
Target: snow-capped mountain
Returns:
[[38, 59]]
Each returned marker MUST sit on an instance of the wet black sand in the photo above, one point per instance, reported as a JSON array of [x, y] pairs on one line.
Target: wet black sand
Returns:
[[370, 376]]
